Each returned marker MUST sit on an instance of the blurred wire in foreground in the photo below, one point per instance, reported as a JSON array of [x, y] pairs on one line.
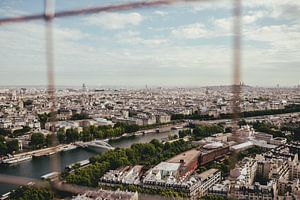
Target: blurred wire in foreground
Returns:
[[236, 88], [93, 10]]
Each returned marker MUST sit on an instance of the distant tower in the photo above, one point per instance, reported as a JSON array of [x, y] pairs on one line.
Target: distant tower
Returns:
[[84, 89]]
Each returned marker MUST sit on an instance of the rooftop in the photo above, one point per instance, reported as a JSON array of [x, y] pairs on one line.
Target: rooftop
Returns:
[[206, 174], [187, 156], [167, 166]]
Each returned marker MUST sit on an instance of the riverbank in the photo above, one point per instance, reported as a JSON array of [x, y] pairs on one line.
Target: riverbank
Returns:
[[37, 153]]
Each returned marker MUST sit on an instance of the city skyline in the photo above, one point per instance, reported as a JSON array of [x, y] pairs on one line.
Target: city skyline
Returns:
[[185, 45]]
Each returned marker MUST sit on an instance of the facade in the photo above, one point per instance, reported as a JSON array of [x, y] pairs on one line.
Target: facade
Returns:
[[163, 118], [255, 192], [220, 189], [263, 136], [208, 179], [278, 141], [244, 172], [208, 156], [194, 186], [129, 120]]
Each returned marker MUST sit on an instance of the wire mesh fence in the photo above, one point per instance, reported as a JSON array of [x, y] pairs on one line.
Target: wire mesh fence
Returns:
[[49, 14]]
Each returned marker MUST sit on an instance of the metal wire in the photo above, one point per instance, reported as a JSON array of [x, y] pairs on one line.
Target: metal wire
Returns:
[[49, 14], [93, 10], [236, 88]]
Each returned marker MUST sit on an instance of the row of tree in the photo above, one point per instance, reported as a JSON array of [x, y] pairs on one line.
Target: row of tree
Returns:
[[288, 109], [16, 133], [267, 127], [94, 132], [8, 146], [294, 128], [39, 140], [31, 193], [148, 154], [201, 131]]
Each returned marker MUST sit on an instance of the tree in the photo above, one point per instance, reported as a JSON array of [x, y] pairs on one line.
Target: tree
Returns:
[[86, 136], [80, 116], [183, 133], [37, 140], [28, 102], [202, 131], [31, 193], [242, 122], [3, 146], [72, 135], [61, 136], [48, 140], [22, 131], [43, 118], [12, 146], [4, 132]]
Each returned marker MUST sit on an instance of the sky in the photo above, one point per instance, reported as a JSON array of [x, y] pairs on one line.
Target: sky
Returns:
[[187, 44]]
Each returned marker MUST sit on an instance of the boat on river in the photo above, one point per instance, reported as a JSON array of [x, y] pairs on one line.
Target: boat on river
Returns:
[[14, 160]]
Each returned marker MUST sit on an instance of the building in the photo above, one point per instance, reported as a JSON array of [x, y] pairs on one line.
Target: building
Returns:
[[244, 172], [242, 146], [188, 161], [163, 118], [278, 141], [126, 175], [209, 155], [254, 192], [106, 195], [208, 179], [163, 173], [220, 189], [263, 136], [129, 120]]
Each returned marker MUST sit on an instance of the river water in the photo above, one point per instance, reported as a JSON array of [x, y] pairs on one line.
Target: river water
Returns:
[[38, 167]]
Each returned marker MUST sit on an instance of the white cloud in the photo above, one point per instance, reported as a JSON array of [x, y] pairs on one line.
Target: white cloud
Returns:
[[160, 13], [284, 9], [115, 20], [134, 38], [283, 39], [191, 31], [248, 19]]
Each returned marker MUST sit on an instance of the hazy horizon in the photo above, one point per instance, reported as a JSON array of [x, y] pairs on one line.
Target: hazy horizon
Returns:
[[141, 86]]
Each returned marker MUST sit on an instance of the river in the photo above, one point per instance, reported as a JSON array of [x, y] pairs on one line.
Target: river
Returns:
[[38, 167]]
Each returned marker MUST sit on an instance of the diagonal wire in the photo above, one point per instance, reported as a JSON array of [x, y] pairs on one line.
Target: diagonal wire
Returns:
[[93, 10]]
